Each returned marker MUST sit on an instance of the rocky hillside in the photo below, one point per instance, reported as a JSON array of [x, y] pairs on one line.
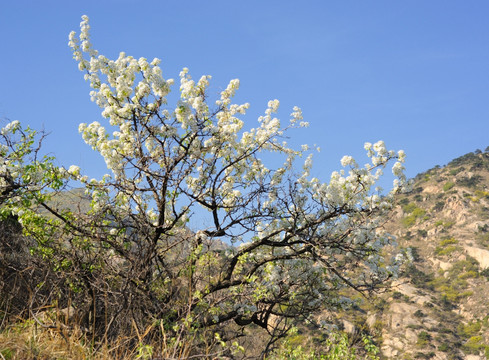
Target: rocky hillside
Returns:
[[439, 308]]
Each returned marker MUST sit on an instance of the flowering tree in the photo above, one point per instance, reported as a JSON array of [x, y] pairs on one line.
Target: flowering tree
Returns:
[[275, 244]]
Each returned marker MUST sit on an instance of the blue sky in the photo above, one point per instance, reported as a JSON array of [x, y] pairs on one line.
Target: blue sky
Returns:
[[412, 73]]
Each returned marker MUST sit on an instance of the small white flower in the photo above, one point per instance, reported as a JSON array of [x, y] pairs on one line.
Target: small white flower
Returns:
[[347, 160], [74, 170]]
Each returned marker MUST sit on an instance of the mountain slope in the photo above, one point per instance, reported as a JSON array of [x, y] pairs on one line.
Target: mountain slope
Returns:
[[439, 308]]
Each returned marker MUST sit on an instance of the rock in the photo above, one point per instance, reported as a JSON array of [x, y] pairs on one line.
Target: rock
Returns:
[[481, 255], [400, 315], [348, 327], [371, 320]]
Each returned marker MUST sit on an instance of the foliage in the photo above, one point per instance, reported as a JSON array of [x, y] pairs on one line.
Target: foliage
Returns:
[[446, 250], [337, 347], [423, 338], [418, 277], [469, 182], [409, 208], [273, 244], [462, 160], [448, 185], [470, 329], [455, 171], [415, 214], [485, 273], [474, 345], [439, 206], [453, 286]]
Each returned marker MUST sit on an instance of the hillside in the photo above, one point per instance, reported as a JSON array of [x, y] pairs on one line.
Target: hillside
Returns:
[[438, 309]]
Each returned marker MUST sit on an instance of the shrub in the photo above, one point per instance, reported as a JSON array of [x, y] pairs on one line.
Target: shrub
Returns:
[[415, 214], [455, 171], [423, 338], [443, 347], [397, 295], [419, 313], [469, 330], [448, 185], [408, 208], [473, 345], [449, 241], [443, 251], [485, 273], [470, 182]]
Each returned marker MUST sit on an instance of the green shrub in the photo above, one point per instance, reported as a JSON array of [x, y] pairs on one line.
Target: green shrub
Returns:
[[469, 264], [408, 221], [7, 354], [470, 182], [423, 338], [448, 241], [485, 273], [482, 193], [418, 212], [469, 330], [419, 278], [472, 274], [338, 347], [448, 224], [439, 206], [414, 215], [404, 201], [409, 208], [446, 250], [443, 347], [473, 345], [419, 314], [448, 185], [454, 172], [397, 295]]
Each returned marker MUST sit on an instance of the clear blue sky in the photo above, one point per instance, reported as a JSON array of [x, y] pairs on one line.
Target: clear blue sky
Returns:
[[412, 73]]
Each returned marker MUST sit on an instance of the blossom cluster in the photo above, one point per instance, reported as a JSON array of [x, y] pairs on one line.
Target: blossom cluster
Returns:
[[165, 160]]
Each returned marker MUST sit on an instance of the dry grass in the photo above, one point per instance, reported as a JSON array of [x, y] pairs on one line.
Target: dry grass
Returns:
[[28, 340], [34, 340]]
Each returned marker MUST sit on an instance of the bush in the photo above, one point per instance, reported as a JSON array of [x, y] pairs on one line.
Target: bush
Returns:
[[439, 206], [470, 182], [447, 250], [469, 330], [408, 208], [419, 313], [455, 171], [485, 273], [397, 295], [448, 185], [419, 278], [448, 241], [423, 338], [443, 347], [422, 233], [415, 214], [473, 345]]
